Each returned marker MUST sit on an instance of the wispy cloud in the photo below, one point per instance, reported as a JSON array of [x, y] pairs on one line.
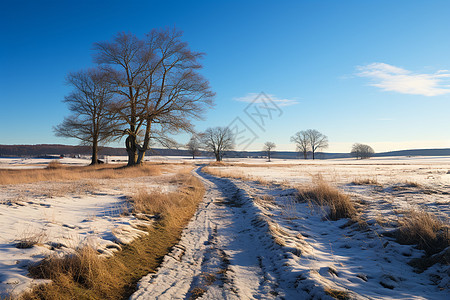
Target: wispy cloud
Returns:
[[253, 97], [392, 78]]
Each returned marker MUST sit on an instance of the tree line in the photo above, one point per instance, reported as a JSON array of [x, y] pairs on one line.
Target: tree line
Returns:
[[218, 140]]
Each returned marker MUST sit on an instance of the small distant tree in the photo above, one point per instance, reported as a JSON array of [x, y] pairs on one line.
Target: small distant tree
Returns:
[[361, 151], [301, 140], [317, 140], [91, 121], [268, 148], [218, 140], [193, 146]]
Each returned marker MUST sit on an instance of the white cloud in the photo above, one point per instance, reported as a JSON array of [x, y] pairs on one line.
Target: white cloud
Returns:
[[392, 78], [253, 97]]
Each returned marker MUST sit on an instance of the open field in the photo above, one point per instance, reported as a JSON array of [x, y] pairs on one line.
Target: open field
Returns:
[[394, 202], [293, 229]]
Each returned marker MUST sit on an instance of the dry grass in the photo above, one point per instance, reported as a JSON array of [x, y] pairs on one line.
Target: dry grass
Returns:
[[337, 294], [57, 172], [236, 175], [321, 193], [411, 183], [54, 164], [85, 275], [31, 237], [365, 181], [217, 164], [418, 227]]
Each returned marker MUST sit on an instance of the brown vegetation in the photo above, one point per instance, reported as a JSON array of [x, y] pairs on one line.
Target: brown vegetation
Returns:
[[418, 227], [321, 193], [85, 275], [59, 172], [236, 174], [365, 181]]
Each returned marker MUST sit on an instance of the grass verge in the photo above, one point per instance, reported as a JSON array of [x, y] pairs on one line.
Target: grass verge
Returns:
[[58, 172], [85, 275]]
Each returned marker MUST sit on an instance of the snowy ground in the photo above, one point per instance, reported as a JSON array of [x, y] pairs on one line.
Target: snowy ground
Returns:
[[247, 240], [253, 241], [58, 217]]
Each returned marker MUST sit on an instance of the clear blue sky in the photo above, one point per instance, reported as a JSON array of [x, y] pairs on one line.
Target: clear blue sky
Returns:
[[359, 71]]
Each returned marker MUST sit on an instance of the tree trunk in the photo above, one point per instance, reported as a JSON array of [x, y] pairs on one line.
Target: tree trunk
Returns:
[[305, 155], [141, 149], [141, 156], [313, 155], [94, 160], [130, 144], [268, 154]]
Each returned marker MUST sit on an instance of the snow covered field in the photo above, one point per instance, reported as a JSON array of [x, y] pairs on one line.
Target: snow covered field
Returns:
[[250, 239], [47, 217]]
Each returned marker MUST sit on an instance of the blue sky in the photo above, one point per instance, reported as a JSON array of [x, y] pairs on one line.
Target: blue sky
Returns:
[[372, 72]]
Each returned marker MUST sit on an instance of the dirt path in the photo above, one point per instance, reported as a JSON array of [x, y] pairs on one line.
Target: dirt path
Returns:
[[224, 253]]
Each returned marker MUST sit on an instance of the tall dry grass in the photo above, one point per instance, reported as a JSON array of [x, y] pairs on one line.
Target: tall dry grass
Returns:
[[421, 228], [85, 275], [59, 172], [323, 194]]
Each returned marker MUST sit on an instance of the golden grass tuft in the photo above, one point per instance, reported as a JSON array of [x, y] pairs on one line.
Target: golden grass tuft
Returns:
[[217, 164], [58, 172], [321, 193], [54, 164], [83, 270], [365, 181], [85, 275], [338, 294], [421, 228]]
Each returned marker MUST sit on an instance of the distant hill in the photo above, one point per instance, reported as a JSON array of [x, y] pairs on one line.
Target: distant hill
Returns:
[[56, 149]]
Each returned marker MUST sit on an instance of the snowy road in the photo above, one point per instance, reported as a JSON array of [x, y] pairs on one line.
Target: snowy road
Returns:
[[223, 253], [247, 241]]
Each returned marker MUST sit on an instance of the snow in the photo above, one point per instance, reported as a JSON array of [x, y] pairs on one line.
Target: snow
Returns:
[[247, 240], [253, 241], [59, 217]]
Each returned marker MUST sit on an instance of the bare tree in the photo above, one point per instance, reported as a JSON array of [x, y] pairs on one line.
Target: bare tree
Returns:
[[317, 140], [91, 121], [193, 146], [268, 148], [302, 142], [218, 140], [158, 87], [361, 151]]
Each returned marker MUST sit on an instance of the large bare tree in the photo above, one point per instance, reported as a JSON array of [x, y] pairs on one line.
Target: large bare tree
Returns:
[[317, 140], [218, 140], [158, 87], [268, 148], [302, 142], [91, 121]]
